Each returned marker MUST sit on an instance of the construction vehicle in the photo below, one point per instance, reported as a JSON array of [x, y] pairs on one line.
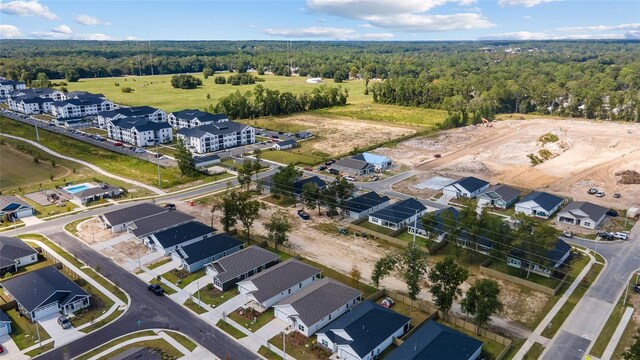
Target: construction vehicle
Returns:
[[486, 123]]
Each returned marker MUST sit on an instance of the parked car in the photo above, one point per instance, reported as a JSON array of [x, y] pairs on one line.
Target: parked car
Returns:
[[374, 178], [1, 349], [567, 234], [322, 168], [52, 124], [616, 195], [437, 156], [620, 235], [349, 178], [117, 144], [303, 215], [64, 322], [600, 194], [592, 191], [170, 206], [334, 172], [308, 168], [156, 289], [329, 162], [612, 213], [605, 235]]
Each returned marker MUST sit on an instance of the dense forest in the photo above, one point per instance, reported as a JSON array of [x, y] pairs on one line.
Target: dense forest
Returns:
[[594, 79]]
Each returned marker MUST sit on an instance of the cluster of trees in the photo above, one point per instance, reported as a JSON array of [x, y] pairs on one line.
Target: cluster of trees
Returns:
[[184, 81], [266, 102], [237, 79]]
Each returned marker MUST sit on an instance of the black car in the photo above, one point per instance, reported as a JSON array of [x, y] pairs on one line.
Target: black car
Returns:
[[322, 168], [612, 213], [156, 289], [330, 162], [170, 206], [334, 172], [605, 236]]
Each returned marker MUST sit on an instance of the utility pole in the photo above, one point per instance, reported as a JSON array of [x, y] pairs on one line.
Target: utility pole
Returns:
[[415, 227], [198, 286], [150, 58], [38, 332], [158, 162], [35, 123], [139, 62]]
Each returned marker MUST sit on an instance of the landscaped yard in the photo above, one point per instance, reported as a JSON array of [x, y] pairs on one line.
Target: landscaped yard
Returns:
[[24, 332], [214, 297], [182, 278], [246, 316], [405, 236], [99, 304], [224, 326], [42, 262], [300, 346]]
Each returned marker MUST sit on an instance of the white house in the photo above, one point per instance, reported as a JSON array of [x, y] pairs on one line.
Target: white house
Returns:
[[194, 256], [285, 144], [118, 220], [13, 207], [145, 112], [399, 214], [278, 282], [468, 187], [441, 229], [364, 332], [231, 269], [15, 253], [7, 86], [363, 205], [500, 196], [213, 137], [190, 118], [30, 105], [539, 204], [582, 213], [168, 240], [139, 131], [45, 93], [380, 162], [80, 107], [310, 309], [541, 265]]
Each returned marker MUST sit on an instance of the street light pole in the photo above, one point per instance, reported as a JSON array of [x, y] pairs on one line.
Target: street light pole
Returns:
[[38, 332], [158, 162], [198, 286], [35, 123]]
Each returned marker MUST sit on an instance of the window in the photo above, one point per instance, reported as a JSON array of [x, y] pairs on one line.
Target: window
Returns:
[[289, 291], [329, 316], [324, 342], [301, 327], [300, 286]]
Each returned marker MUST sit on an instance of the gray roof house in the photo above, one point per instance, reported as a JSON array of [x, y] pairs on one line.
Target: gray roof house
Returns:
[[13, 207], [434, 341], [353, 166], [204, 161], [364, 332], [313, 307], [539, 204], [278, 282], [15, 253], [399, 214], [440, 230], [102, 191], [156, 223], [233, 268], [363, 205], [193, 257], [285, 144], [167, 240], [44, 292], [118, 219], [500, 196], [5, 323], [582, 213], [380, 162], [541, 265], [468, 187]]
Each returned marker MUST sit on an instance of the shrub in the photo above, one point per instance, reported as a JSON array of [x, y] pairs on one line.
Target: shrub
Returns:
[[185, 81], [548, 138], [127, 90]]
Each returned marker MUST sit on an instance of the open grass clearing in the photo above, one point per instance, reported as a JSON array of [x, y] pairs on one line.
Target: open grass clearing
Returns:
[[245, 317], [18, 168], [182, 278], [229, 329], [24, 332], [408, 238], [279, 200], [388, 113], [289, 157], [377, 228]]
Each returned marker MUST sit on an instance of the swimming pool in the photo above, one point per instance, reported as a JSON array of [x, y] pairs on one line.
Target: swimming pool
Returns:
[[78, 188]]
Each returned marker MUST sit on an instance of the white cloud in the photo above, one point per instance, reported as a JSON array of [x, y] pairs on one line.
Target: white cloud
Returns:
[[62, 29], [525, 3], [526, 35], [27, 8], [327, 32], [406, 15], [635, 26], [527, 17], [365, 25], [10, 32], [89, 20]]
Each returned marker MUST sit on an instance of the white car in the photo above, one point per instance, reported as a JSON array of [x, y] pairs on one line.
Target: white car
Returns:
[[349, 178], [599, 194], [620, 235]]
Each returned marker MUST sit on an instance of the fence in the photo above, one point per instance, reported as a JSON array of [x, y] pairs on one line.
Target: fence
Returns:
[[485, 270], [390, 237]]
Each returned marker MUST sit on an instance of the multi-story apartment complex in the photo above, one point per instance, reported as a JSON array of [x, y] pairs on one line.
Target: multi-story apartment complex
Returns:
[[213, 137]]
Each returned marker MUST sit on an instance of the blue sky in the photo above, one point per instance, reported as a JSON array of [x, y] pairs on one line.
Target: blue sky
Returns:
[[320, 19]]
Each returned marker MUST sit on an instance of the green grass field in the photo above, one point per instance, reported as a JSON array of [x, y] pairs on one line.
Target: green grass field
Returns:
[[390, 113], [17, 169]]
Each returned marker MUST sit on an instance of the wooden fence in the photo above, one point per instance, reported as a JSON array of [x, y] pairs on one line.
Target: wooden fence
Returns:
[[485, 270]]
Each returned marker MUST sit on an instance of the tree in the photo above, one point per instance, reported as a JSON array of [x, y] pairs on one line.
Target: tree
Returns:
[[310, 196], [41, 81], [382, 268], [355, 274], [446, 278], [186, 163], [185, 81], [278, 228], [71, 75], [633, 351], [216, 205], [229, 210], [247, 211], [414, 268], [283, 180], [482, 301], [206, 72], [245, 173]]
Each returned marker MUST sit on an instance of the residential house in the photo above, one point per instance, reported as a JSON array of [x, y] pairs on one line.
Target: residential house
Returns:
[[7, 86], [144, 227], [303, 135], [139, 132], [206, 161], [30, 105], [168, 240], [193, 257], [468, 187], [539, 204], [541, 265], [380, 162], [313, 307], [434, 341], [118, 220], [399, 214], [190, 118], [231, 269], [499, 196], [145, 112], [364, 332], [45, 93], [15, 253], [278, 282], [285, 144], [298, 186], [213, 137], [89, 195], [5, 324], [582, 213], [440, 230], [13, 207], [477, 242], [353, 167], [86, 105], [363, 205], [44, 292]]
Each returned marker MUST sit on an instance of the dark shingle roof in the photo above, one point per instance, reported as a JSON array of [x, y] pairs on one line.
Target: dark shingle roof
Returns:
[[236, 264], [83, 101], [287, 142], [42, 286], [4, 317], [132, 213], [136, 111], [159, 222], [504, 192], [399, 211], [140, 124], [554, 255], [368, 325], [364, 202], [545, 200], [13, 248], [280, 278], [179, 234], [434, 341], [593, 211], [205, 159], [351, 163], [299, 185], [35, 100], [190, 114], [215, 129], [471, 183], [11, 203], [208, 247], [440, 227], [320, 299]]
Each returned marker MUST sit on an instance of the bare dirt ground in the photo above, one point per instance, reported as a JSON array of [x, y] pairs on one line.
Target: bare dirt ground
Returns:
[[93, 234], [587, 154], [341, 135]]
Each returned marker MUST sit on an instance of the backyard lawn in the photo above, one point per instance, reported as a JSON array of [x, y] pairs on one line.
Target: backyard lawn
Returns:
[[376, 228], [405, 236], [300, 346], [182, 278], [214, 297], [24, 332]]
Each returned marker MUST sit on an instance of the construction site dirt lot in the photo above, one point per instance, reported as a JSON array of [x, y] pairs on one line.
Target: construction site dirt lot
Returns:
[[92, 233], [586, 154], [337, 135]]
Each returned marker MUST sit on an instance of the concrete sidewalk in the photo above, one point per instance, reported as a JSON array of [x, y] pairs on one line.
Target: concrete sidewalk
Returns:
[[615, 339]]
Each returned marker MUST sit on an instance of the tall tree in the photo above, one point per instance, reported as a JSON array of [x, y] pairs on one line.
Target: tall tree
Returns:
[[217, 204], [41, 81], [382, 268], [247, 211], [186, 162], [229, 210], [245, 174], [311, 196], [278, 228], [283, 180], [414, 268], [446, 278], [482, 301]]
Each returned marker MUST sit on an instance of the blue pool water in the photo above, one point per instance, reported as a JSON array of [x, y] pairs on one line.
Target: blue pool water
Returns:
[[78, 188]]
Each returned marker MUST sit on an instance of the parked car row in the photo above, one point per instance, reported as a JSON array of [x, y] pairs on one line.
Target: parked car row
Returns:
[[618, 235], [599, 193]]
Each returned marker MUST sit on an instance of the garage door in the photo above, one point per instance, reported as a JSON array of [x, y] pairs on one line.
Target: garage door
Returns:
[[4, 329], [281, 315], [24, 213], [40, 313]]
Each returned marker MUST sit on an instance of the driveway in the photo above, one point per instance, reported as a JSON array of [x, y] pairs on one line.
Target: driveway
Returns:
[[58, 334], [232, 304], [271, 329], [11, 350]]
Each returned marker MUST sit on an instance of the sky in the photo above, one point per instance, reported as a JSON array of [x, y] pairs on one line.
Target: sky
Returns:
[[368, 20]]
